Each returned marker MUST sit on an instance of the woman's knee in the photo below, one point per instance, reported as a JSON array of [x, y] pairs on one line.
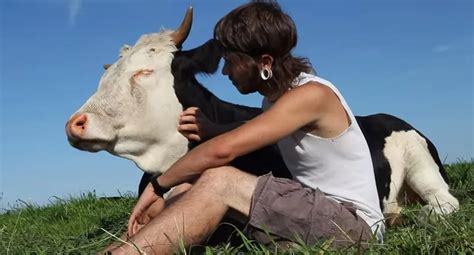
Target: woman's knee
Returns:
[[217, 174], [218, 178], [230, 185]]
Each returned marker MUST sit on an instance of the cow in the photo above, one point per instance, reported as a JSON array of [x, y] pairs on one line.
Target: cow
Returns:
[[134, 114]]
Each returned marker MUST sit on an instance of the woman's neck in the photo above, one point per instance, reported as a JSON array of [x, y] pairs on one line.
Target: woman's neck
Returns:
[[270, 91]]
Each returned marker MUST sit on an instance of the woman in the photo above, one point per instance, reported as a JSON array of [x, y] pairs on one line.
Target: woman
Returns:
[[333, 194]]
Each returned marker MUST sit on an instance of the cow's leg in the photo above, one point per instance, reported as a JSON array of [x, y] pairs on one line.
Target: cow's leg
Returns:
[[424, 177], [391, 205], [197, 213], [423, 174]]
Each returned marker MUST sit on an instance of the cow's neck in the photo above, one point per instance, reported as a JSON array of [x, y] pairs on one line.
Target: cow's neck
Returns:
[[191, 93]]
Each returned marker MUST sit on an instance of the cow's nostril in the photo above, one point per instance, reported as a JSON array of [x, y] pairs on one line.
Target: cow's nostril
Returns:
[[81, 122], [77, 126]]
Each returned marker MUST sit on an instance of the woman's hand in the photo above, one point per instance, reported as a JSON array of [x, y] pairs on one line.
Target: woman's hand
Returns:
[[194, 125], [149, 205]]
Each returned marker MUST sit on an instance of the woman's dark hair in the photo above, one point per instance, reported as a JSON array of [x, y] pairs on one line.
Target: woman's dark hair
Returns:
[[261, 27]]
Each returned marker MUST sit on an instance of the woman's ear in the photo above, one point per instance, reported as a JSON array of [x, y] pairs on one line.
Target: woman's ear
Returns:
[[266, 60]]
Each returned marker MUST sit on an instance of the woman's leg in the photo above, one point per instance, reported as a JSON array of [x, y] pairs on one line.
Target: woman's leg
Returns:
[[197, 213]]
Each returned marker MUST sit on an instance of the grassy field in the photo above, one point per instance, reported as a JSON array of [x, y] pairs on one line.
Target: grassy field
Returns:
[[88, 223]]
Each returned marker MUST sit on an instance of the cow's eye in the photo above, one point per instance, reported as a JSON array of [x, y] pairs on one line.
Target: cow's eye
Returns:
[[152, 49]]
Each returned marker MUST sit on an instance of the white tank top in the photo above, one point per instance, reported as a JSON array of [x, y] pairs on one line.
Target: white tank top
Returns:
[[341, 167]]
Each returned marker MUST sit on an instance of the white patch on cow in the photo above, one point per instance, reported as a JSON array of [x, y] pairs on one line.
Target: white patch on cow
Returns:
[[410, 160], [134, 113]]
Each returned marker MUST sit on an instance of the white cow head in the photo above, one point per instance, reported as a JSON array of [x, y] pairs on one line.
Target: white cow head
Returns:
[[134, 112]]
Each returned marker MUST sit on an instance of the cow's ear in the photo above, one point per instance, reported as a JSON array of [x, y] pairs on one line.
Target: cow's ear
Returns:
[[106, 66]]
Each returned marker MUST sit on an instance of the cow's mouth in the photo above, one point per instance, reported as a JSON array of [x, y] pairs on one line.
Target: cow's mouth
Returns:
[[90, 145]]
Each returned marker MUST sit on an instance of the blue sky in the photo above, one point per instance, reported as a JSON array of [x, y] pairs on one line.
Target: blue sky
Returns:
[[412, 59]]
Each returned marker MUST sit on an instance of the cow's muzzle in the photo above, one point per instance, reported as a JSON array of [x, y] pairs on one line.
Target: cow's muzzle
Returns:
[[76, 129]]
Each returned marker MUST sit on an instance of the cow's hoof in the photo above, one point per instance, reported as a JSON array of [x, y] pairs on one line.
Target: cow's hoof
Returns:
[[431, 214], [393, 219]]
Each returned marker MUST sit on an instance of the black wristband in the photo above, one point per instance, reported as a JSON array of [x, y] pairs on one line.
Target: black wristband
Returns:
[[159, 190]]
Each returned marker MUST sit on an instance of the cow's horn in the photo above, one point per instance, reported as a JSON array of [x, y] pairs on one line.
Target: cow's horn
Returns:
[[106, 66], [180, 35]]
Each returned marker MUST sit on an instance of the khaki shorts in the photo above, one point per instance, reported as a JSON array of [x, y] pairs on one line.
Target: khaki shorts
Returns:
[[284, 211]]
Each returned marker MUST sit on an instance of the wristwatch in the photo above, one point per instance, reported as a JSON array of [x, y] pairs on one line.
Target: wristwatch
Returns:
[[157, 188]]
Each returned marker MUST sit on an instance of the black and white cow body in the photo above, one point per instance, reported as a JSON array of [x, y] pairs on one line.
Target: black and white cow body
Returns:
[[379, 130]]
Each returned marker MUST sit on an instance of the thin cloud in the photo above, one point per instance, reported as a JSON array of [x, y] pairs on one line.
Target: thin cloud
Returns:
[[442, 48], [74, 6]]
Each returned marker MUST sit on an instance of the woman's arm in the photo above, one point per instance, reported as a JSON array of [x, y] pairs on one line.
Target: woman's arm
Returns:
[[295, 109]]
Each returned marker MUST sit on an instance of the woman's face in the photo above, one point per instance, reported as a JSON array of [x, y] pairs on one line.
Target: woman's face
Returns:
[[242, 71]]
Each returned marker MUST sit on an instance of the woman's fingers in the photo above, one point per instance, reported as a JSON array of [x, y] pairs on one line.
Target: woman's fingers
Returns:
[[187, 119], [191, 136], [148, 205], [194, 137], [136, 221], [147, 198], [135, 228], [190, 111], [188, 128], [131, 224]]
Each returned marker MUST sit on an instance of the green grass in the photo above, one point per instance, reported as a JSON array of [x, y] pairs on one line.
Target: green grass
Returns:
[[72, 226], [88, 223]]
